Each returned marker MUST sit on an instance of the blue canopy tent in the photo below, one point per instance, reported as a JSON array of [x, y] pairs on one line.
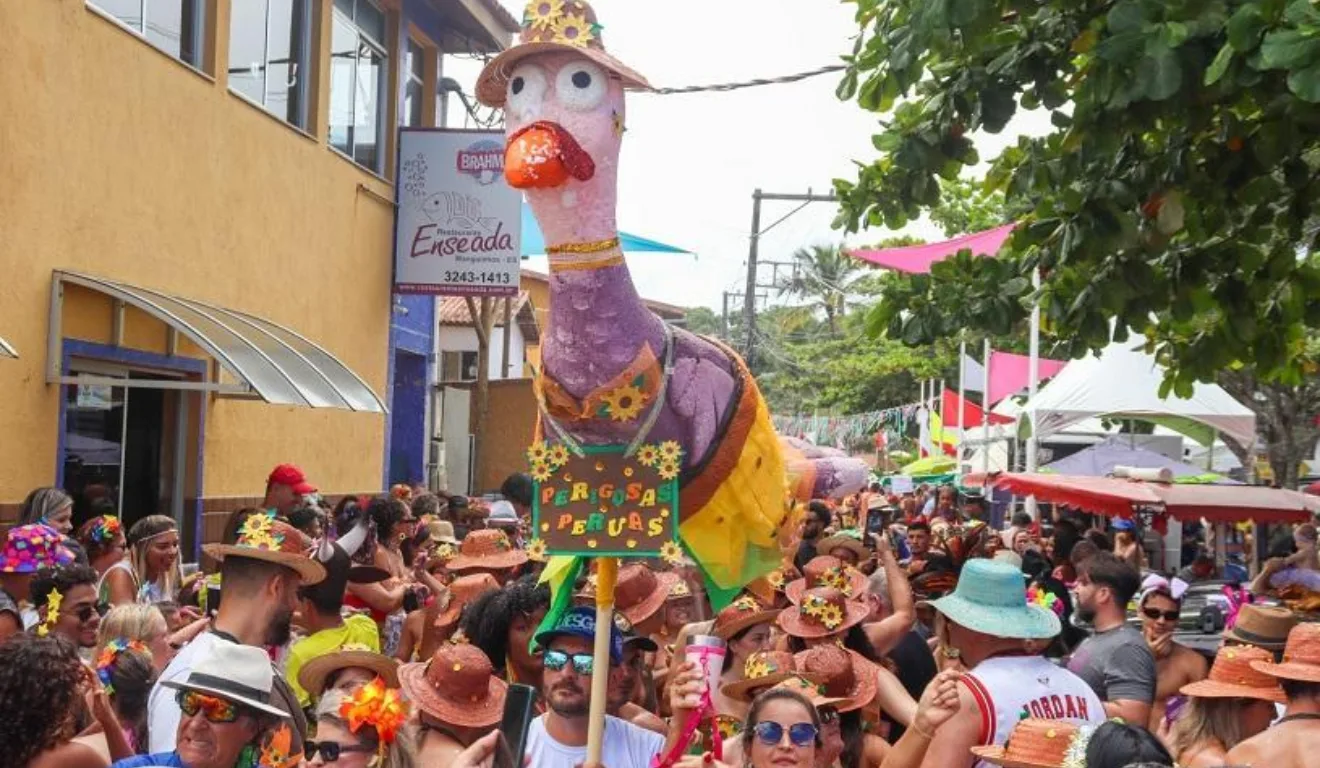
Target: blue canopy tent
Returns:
[[533, 242]]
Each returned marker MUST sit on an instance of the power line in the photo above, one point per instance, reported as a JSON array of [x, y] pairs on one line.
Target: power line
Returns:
[[755, 83]]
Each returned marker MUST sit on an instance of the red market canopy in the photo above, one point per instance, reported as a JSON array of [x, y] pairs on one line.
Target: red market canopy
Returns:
[[1116, 497], [917, 259]]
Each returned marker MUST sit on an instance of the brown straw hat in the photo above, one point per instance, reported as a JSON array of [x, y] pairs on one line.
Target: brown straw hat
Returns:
[[780, 578], [640, 592], [741, 614], [349, 656], [486, 548], [1301, 656], [462, 592], [846, 675], [1264, 626], [849, 539], [262, 537], [553, 26], [1233, 677], [457, 686], [828, 571], [810, 691], [824, 611], [1037, 744], [762, 670]]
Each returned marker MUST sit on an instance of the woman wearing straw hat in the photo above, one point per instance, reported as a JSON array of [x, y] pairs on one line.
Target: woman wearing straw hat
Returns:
[[761, 670], [458, 697], [744, 625], [1234, 703], [1291, 741], [347, 669], [853, 682]]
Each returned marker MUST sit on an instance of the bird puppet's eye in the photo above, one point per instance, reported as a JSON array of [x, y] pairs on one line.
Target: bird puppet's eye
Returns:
[[527, 87], [581, 86]]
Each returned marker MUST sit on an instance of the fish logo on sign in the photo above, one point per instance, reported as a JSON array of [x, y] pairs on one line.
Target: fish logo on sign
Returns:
[[483, 160]]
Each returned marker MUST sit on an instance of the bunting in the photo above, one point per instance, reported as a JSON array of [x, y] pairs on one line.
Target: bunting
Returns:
[[848, 430]]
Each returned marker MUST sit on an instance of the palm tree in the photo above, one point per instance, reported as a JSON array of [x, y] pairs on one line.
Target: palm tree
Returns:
[[823, 275]]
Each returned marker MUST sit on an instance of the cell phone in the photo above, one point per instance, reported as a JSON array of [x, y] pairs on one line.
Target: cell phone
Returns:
[[1174, 707], [519, 709]]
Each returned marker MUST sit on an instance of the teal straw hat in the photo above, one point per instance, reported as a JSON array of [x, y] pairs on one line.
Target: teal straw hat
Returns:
[[991, 598]]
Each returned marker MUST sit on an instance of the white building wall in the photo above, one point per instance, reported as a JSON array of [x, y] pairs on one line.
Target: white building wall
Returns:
[[454, 338]]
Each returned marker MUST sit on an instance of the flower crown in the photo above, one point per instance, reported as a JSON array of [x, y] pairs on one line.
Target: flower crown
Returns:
[[109, 657], [107, 528], [377, 706]]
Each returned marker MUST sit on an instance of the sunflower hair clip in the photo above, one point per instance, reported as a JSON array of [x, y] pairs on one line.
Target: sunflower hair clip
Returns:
[[379, 707], [53, 601]]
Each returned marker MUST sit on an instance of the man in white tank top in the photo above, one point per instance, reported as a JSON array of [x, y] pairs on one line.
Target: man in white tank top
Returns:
[[986, 625]]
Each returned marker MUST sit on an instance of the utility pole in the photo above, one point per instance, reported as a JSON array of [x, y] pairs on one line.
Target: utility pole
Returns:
[[749, 299]]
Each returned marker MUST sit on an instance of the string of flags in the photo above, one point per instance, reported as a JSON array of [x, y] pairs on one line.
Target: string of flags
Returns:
[[850, 429]]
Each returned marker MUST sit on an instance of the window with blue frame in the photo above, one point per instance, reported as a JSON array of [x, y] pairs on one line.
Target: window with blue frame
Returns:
[[269, 41], [359, 78], [174, 26]]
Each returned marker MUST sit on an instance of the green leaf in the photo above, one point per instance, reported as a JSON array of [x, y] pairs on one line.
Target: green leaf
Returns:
[[1244, 28], [1288, 49], [1306, 83], [1125, 16], [869, 98], [1219, 66], [847, 86], [1161, 74]]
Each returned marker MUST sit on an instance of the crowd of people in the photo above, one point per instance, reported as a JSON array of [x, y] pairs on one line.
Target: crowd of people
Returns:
[[901, 631]]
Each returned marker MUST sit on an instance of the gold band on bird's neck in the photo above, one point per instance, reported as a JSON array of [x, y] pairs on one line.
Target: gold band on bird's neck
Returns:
[[585, 256], [599, 246]]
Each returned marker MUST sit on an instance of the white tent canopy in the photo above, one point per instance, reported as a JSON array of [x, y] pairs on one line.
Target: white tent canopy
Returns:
[[1124, 382]]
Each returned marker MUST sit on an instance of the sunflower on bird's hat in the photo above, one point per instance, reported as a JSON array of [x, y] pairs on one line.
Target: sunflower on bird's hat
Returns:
[[553, 26]]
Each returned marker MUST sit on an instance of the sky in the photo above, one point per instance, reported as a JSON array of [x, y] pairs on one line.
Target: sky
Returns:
[[691, 162]]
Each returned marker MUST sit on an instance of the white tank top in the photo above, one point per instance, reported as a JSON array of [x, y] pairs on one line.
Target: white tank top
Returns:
[[1012, 688]]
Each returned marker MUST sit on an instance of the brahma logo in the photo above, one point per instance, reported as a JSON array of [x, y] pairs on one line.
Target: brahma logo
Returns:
[[483, 161]]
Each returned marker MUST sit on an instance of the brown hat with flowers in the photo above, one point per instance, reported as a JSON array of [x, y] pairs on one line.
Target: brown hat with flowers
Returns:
[[487, 548], [457, 686], [1301, 656], [741, 614], [828, 571], [761, 670], [823, 611], [263, 537], [553, 26], [462, 592], [1232, 677], [846, 675], [812, 692], [640, 592]]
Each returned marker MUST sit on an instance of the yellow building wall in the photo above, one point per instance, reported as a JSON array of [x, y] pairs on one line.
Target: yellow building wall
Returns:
[[121, 162]]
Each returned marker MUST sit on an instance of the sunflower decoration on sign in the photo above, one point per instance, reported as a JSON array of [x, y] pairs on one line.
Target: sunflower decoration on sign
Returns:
[[536, 550], [624, 403], [671, 451], [541, 14], [257, 532], [574, 29], [648, 455], [558, 456], [671, 553], [668, 470]]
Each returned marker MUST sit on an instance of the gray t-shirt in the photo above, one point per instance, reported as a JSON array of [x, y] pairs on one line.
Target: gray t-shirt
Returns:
[[1117, 664]]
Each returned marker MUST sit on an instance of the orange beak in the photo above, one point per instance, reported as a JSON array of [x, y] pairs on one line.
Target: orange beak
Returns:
[[543, 155]]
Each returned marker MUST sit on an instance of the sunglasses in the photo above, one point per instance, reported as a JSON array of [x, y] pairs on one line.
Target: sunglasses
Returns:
[[330, 750], [215, 710], [583, 663], [771, 733], [1155, 615]]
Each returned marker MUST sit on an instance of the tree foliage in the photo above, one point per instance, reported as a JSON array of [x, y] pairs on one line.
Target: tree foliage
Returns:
[[1175, 193], [823, 276]]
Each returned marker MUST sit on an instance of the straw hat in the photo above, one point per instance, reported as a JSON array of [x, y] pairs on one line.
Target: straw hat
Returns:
[[313, 674], [457, 686], [780, 578], [241, 674], [263, 537], [846, 675], [487, 548], [551, 26], [462, 592], [640, 592], [1264, 626], [741, 614], [1301, 656], [1232, 676], [849, 539], [809, 691], [824, 611], [827, 571], [991, 598], [441, 532], [1040, 744], [761, 670]]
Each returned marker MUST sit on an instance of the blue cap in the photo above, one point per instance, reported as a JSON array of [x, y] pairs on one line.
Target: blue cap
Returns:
[[581, 622], [1123, 524]]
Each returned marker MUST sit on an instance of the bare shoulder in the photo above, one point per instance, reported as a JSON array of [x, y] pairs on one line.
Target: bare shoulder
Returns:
[[1196, 665], [71, 755], [1249, 752]]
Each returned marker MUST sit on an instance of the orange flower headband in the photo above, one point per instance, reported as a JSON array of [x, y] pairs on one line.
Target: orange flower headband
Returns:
[[377, 706]]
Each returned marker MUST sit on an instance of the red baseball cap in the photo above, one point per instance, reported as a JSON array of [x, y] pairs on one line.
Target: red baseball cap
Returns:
[[290, 475]]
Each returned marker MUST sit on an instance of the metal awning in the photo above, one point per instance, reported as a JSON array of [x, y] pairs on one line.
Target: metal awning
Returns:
[[269, 361], [6, 350]]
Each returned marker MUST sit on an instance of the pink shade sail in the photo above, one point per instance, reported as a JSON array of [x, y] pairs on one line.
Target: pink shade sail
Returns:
[[1010, 373], [917, 259]]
